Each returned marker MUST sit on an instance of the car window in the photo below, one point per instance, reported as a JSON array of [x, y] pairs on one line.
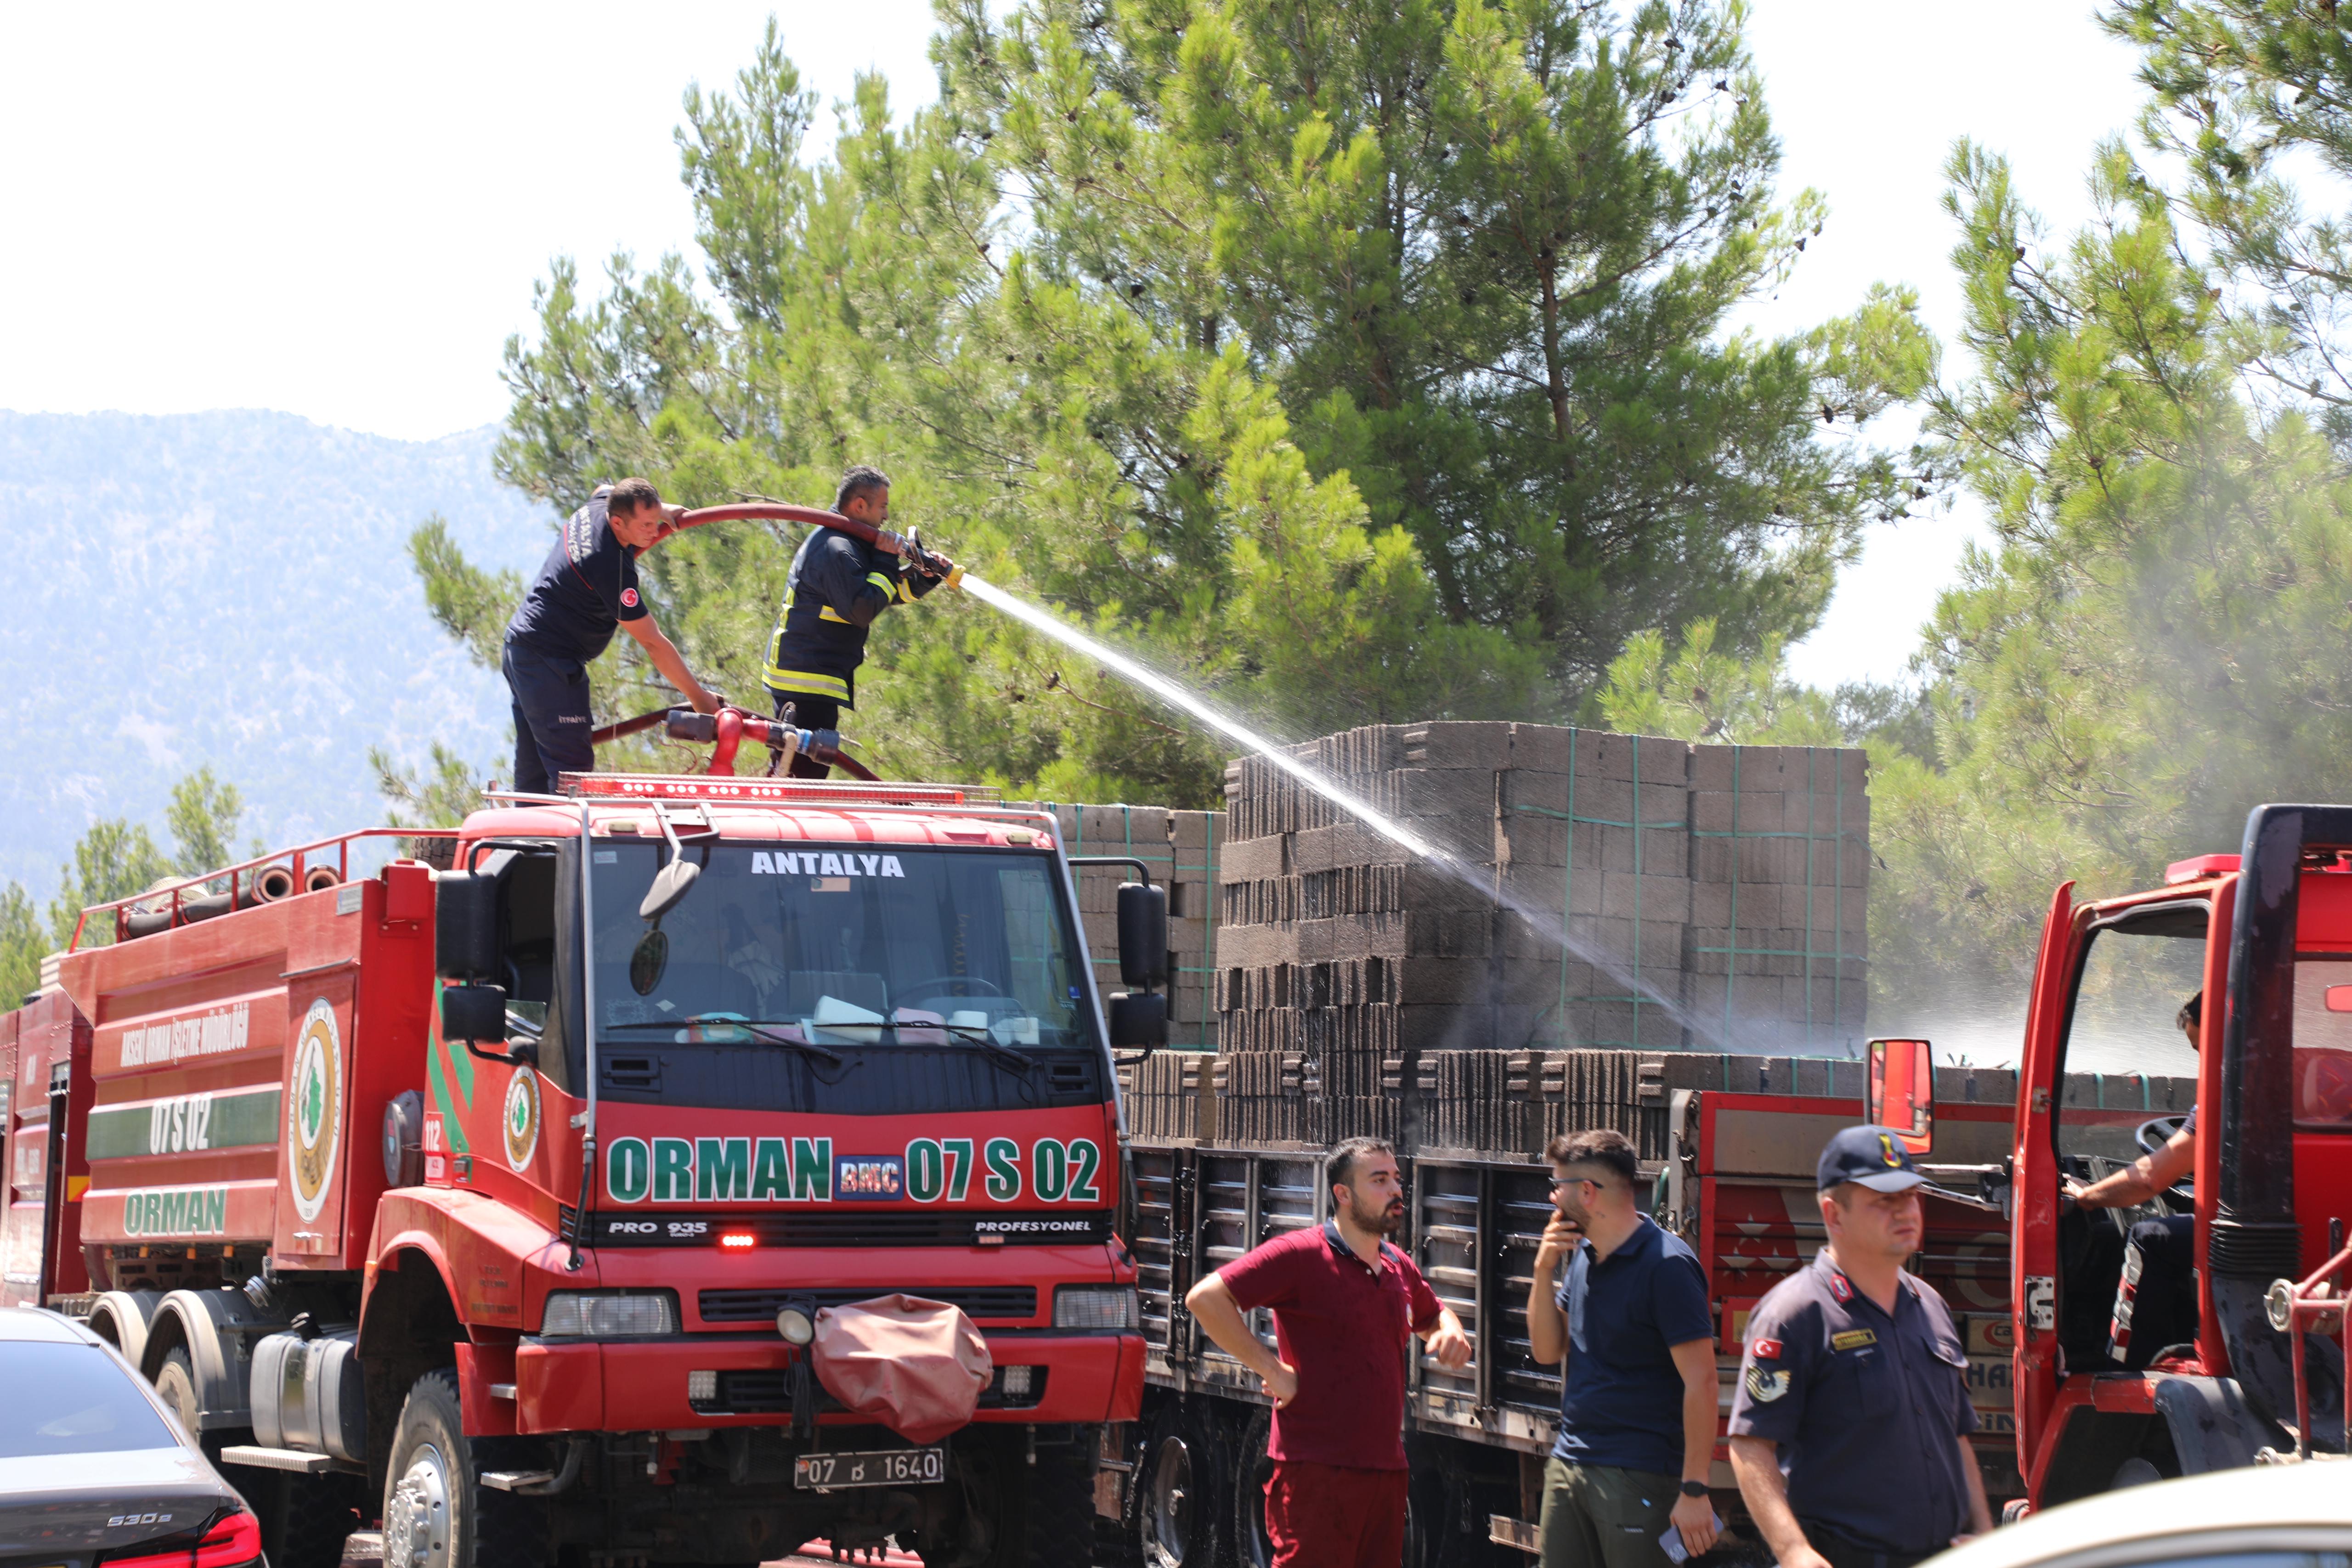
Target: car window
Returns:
[[72, 1399]]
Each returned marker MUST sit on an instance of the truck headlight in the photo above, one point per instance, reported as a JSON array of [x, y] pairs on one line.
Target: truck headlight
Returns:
[[1111, 1307], [609, 1314]]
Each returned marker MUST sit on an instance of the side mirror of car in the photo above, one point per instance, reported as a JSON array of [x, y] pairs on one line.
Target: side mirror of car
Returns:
[[1901, 1092]]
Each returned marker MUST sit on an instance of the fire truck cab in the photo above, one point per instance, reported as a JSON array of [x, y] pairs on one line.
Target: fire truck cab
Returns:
[[2266, 938]]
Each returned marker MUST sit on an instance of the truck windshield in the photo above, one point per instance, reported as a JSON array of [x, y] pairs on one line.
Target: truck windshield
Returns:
[[839, 946]]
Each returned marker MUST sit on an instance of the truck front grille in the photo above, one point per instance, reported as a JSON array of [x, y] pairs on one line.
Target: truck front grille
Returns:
[[1003, 1303], [764, 1391]]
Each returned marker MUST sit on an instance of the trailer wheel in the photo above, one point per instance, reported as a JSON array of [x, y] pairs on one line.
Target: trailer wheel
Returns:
[[176, 1382], [1176, 1496], [437, 1511], [1253, 1468]]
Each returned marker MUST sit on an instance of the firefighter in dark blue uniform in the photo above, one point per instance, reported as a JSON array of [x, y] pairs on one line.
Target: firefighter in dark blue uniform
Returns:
[[1849, 1431], [837, 586], [586, 589]]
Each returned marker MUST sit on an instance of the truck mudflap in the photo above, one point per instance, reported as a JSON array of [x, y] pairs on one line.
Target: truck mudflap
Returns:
[[2212, 1426], [709, 1381]]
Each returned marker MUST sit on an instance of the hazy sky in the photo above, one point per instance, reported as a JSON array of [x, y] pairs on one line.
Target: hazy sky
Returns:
[[341, 211]]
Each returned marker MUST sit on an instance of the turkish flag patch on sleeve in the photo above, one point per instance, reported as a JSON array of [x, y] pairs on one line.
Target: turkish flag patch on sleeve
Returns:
[[1764, 1349], [628, 598]]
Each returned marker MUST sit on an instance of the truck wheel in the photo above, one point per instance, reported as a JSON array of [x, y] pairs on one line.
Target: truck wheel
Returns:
[[436, 1512], [1039, 1516], [175, 1380], [1253, 1468], [1176, 1496], [304, 1519]]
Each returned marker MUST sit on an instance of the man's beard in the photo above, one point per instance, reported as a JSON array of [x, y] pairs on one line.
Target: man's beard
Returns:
[[1381, 1222]]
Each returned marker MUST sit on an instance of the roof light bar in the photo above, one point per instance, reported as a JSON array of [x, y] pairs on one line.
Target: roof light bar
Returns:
[[719, 789]]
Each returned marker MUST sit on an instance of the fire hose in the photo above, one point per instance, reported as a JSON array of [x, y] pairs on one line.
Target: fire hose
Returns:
[[727, 729], [908, 546]]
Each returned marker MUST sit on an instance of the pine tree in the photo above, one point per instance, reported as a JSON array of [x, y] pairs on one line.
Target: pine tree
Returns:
[[1358, 364]]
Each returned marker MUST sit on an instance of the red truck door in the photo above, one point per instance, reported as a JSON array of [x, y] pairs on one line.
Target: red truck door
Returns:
[[2033, 1239]]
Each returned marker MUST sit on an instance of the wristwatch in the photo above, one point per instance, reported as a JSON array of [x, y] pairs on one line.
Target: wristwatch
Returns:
[[1693, 1488]]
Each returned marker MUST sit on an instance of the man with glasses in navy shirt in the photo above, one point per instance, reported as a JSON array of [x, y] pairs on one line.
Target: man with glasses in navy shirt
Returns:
[[1637, 1404]]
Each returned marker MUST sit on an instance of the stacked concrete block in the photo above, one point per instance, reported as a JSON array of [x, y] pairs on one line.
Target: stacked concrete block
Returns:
[[1599, 898], [1516, 1102], [1180, 849], [1780, 885], [1171, 1094]]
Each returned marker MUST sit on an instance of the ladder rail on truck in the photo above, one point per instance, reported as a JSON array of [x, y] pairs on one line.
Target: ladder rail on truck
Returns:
[[332, 1228], [2267, 936]]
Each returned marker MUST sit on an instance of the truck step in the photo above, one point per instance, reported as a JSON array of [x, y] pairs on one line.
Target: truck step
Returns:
[[296, 1459], [1505, 1531]]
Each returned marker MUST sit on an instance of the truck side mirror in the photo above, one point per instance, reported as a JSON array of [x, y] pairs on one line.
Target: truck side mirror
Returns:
[[466, 926], [1901, 1094], [1138, 1019], [1143, 937], [474, 1014]]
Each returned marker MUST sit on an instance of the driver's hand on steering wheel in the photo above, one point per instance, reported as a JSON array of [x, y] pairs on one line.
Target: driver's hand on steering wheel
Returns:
[[2071, 1193]]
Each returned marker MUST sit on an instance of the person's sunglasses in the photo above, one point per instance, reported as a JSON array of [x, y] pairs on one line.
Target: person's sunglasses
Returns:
[[1559, 1182]]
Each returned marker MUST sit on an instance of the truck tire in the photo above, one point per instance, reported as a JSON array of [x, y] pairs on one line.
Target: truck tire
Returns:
[[305, 1519], [1177, 1520], [437, 1511], [1251, 1468], [176, 1382], [1043, 1514]]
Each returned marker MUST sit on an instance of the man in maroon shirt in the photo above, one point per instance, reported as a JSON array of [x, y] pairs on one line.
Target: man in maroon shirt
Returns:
[[1345, 1304]]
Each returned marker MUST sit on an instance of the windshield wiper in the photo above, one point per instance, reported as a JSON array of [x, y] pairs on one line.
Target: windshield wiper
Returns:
[[830, 1057], [979, 1034]]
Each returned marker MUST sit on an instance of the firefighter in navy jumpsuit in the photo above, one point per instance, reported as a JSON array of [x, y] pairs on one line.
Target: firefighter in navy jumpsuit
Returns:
[[837, 586]]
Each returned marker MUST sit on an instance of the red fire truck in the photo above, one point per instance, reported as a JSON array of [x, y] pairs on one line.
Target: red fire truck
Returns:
[[503, 1201]]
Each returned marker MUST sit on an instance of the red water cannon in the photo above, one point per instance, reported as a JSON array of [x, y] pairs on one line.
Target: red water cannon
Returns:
[[726, 731]]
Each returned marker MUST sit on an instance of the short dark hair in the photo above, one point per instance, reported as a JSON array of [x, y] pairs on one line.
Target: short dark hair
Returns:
[[860, 480], [631, 496], [1599, 1147], [1340, 1164], [2191, 1016]]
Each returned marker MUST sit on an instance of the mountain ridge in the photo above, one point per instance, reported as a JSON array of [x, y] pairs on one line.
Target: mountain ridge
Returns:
[[231, 589]]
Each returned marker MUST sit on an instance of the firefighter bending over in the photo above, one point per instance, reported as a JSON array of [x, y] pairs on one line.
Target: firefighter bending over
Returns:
[[838, 584], [586, 589]]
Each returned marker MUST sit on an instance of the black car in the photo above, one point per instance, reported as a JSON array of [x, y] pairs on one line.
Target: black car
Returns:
[[94, 1472]]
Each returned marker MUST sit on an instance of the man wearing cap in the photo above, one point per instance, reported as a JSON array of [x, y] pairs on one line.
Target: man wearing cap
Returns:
[[1850, 1428]]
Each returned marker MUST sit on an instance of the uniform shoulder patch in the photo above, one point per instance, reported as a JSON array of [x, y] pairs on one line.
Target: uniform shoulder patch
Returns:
[[1766, 1383], [1764, 1349], [628, 598], [1853, 1339], [1840, 1288]]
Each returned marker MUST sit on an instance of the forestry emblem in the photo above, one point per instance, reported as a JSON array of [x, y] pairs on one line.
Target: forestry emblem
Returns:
[[314, 1109]]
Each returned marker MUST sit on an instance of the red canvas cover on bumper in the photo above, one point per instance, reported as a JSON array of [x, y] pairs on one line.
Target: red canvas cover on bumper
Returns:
[[916, 1366]]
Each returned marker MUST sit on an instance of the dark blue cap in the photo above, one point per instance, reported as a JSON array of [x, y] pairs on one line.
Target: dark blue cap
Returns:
[[1873, 1157]]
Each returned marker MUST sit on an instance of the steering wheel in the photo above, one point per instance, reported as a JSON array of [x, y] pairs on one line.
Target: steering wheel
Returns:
[[2152, 1135], [956, 985]]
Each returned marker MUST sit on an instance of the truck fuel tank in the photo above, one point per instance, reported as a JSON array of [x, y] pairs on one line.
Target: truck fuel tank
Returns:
[[309, 1395]]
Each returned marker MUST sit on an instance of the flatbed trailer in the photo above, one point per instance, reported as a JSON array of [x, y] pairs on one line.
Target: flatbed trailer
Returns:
[[1736, 1183]]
